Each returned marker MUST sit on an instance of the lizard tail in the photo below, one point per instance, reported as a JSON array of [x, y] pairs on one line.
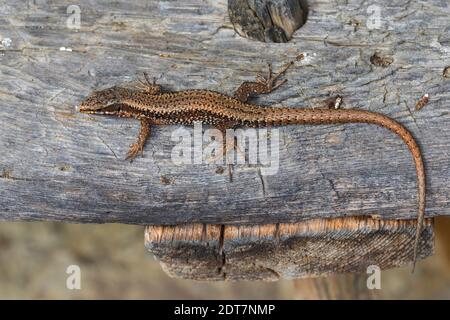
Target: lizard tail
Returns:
[[413, 147], [330, 116], [421, 216]]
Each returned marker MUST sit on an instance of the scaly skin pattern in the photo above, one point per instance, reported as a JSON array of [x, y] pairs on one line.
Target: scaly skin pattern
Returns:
[[152, 107]]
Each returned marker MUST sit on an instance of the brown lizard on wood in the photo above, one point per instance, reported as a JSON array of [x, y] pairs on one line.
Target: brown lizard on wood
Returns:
[[153, 107]]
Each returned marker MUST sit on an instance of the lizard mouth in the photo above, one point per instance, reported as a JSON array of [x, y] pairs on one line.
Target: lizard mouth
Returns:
[[86, 111], [114, 109]]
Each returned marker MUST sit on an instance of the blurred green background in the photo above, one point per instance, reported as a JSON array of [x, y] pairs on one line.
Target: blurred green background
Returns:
[[114, 264]]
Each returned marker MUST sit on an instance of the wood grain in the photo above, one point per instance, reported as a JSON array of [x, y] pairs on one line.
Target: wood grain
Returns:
[[288, 250], [57, 164]]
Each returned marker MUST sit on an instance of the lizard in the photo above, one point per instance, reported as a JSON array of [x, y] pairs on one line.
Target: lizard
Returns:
[[151, 106]]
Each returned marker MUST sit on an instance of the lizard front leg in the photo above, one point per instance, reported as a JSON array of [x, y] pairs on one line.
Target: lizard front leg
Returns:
[[138, 146], [262, 85]]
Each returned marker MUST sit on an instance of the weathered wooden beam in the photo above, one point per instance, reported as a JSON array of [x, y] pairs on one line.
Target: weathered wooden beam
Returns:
[[288, 250], [56, 164]]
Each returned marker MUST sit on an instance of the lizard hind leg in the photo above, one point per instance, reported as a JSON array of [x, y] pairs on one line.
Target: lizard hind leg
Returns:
[[228, 145], [138, 146], [147, 86], [262, 85]]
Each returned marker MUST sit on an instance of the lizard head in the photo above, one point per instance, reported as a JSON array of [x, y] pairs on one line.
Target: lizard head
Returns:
[[105, 101]]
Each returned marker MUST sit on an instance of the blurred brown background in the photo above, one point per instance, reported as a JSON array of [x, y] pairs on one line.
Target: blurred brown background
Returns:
[[114, 264]]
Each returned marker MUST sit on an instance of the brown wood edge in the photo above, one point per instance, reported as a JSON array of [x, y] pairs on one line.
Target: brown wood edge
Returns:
[[309, 248]]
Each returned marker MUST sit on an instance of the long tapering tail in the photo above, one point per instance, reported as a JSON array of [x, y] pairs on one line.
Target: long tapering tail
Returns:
[[281, 116]]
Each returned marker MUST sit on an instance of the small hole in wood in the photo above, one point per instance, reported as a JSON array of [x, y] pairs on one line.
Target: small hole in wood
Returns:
[[267, 20]]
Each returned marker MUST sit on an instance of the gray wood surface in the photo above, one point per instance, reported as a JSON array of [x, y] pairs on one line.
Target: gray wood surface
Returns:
[[57, 164], [312, 248]]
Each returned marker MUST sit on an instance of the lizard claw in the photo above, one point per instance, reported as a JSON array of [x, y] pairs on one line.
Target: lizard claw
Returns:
[[271, 80], [146, 85], [133, 152]]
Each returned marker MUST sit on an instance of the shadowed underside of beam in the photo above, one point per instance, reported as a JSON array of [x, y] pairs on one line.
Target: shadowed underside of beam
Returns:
[[287, 250]]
